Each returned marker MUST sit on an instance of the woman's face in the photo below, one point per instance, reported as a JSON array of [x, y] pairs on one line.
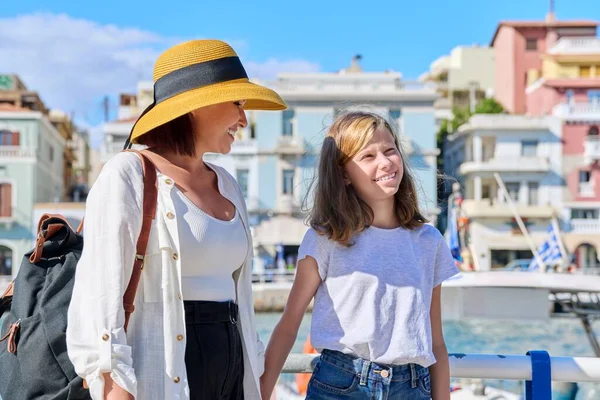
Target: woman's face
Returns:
[[215, 126]]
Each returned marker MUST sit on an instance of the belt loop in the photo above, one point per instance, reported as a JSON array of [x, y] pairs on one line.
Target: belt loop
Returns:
[[232, 313], [413, 376], [365, 372]]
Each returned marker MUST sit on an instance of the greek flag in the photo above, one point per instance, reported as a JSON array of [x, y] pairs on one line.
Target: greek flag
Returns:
[[454, 240], [550, 251]]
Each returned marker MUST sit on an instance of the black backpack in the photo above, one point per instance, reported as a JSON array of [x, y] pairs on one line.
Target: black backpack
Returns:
[[33, 311]]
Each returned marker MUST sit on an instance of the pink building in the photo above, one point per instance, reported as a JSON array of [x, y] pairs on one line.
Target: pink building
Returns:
[[519, 47]]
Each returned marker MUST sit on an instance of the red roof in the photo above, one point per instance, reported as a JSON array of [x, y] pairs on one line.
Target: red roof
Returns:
[[544, 24]]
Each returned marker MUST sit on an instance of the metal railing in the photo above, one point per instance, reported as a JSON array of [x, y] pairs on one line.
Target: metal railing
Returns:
[[537, 369], [489, 366], [274, 275]]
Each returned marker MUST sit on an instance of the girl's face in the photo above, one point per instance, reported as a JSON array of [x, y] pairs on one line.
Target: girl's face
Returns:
[[216, 125], [376, 171]]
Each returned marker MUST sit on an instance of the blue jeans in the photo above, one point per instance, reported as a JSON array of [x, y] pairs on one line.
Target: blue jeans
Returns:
[[342, 376]]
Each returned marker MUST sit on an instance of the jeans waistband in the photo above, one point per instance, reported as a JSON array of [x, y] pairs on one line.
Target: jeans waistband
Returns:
[[205, 312], [351, 363]]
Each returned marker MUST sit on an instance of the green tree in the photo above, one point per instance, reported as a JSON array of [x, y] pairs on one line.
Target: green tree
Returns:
[[489, 106]]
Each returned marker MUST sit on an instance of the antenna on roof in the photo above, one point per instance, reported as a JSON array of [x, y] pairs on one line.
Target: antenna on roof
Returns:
[[550, 17]]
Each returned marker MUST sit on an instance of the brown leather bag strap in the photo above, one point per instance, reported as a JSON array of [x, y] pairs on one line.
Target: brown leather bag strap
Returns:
[[149, 212]]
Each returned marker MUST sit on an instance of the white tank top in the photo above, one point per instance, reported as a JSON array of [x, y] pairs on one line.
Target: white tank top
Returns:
[[211, 250]]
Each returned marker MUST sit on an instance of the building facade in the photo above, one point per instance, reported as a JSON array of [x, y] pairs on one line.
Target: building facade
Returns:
[[464, 77], [570, 75], [581, 172], [526, 153], [520, 47], [31, 171]]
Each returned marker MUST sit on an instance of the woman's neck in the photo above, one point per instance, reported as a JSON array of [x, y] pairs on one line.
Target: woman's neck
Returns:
[[191, 164]]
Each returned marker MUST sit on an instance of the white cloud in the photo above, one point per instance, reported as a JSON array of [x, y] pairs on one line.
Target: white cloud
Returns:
[[72, 63]]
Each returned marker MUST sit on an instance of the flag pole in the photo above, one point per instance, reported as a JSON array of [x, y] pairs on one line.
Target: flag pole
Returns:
[[522, 226], [563, 250]]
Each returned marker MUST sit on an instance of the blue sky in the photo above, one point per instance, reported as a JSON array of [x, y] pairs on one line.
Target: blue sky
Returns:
[[74, 52]]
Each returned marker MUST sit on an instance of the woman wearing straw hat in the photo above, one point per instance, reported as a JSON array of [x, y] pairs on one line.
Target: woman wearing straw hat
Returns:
[[192, 335]]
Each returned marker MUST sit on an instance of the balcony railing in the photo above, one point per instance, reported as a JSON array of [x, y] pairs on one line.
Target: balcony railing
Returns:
[[507, 164], [16, 152], [578, 111], [244, 146], [582, 225], [572, 45], [290, 144], [586, 189], [488, 208], [286, 204]]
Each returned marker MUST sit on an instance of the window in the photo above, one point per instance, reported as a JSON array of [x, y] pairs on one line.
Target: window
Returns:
[[242, 178], [8, 138], [5, 261], [531, 44], [585, 71], [582, 213], [594, 95], [288, 181], [533, 193], [593, 131], [486, 191], [5, 200], [513, 190], [51, 153], [529, 148], [584, 176], [570, 96], [287, 128]]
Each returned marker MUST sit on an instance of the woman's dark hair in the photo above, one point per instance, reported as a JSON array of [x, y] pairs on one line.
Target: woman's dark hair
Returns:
[[176, 136]]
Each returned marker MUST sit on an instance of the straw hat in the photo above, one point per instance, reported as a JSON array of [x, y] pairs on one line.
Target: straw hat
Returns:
[[197, 74]]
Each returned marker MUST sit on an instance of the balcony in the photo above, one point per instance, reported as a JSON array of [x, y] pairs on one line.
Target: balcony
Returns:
[[16, 152], [575, 45], [507, 164], [244, 146], [583, 112], [591, 149], [583, 225], [486, 208], [286, 204], [290, 145], [586, 189]]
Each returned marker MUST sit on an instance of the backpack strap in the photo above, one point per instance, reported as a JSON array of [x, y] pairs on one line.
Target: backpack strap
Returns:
[[149, 212], [45, 231]]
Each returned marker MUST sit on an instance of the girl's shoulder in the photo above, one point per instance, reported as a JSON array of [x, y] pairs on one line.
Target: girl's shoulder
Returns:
[[427, 233], [316, 235]]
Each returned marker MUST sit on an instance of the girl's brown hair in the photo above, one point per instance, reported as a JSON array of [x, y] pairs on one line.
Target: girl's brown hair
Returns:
[[337, 210]]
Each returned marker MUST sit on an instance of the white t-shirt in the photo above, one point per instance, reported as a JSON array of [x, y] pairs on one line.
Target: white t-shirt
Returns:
[[375, 297]]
